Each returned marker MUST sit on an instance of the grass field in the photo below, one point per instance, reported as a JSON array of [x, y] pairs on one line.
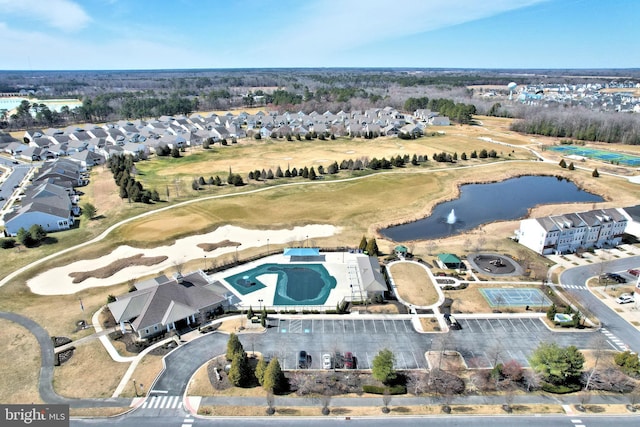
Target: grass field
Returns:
[[413, 284], [20, 367]]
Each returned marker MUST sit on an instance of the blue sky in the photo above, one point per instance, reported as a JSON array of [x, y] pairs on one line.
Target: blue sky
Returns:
[[155, 34]]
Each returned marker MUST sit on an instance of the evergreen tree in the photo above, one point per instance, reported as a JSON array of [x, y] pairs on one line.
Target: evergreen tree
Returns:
[[175, 152], [24, 237], [595, 173], [274, 380], [571, 166], [363, 244], [372, 247], [233, 346], [217, 181], [463, 156], [279, 173], [250, 313], [240, 373], [562, 164], [261, 367], [37, 233], [557, 365], [88, 210], [414, 160], [312, 174]]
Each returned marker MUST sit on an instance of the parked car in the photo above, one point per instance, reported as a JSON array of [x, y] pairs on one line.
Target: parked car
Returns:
[[625, 299], [616, 277], [634, 272], [349, 363], [303, 360], [327, 361]]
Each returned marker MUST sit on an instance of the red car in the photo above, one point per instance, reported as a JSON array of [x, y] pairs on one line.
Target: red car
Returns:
[[348, 360], [634, 272]]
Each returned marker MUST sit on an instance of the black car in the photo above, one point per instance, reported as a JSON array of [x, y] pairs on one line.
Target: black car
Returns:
[[303, 360]]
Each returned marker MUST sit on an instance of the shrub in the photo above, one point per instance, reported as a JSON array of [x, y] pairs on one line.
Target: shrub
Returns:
[[561, 388], [8, 243], [376, 389]]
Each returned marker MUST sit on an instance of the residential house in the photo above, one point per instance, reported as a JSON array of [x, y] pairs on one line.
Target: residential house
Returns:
[[47, 205], [567, 233]]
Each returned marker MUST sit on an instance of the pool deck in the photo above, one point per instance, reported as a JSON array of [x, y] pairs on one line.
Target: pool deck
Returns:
[[336, 263]]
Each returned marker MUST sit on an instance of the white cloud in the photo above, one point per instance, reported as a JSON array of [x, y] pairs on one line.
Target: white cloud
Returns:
[[327, 27], [33, 50], [64, 15]]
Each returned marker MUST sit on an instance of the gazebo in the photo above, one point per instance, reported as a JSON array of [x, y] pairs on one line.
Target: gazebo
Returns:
[[401, 251], [449, 261]]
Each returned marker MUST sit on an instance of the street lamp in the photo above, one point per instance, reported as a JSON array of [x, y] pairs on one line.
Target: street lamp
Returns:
[[237, 253], [260, 302], [205, 263], [307, 240], [268, 252]]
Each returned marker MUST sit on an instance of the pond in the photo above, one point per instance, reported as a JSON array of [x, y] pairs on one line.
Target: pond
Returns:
[[485, 203]]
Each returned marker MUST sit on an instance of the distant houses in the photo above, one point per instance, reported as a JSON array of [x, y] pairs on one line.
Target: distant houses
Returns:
[[68, 154]]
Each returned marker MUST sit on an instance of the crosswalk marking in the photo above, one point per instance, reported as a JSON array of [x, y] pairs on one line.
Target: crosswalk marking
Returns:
[[574, 287], [162, 402], [188, 421], [614, 339]]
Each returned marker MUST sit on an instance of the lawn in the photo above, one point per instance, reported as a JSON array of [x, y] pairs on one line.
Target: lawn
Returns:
[[413, 284], [20, 369]]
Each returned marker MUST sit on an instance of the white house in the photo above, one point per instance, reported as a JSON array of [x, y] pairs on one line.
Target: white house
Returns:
[[567, 233]]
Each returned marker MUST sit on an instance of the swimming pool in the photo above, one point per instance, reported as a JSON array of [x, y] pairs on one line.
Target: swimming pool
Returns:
[[296, 284]]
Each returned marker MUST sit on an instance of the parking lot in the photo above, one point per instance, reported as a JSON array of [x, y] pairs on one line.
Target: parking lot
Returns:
[[344, 326], [364, 338], [482, 342]]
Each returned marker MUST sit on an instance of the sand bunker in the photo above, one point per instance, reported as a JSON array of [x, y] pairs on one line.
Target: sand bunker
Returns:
[[57, 281]]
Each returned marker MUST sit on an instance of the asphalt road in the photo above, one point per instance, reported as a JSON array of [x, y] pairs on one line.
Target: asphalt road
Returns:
[[380, 421], [13, 179], [610, 320]]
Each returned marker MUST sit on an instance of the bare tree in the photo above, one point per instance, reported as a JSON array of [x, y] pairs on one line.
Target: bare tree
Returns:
[[600, 345], [325, 399], [386, 399], [532, 380], [584, 398], [508, 400], [417, 382], [270, 403]]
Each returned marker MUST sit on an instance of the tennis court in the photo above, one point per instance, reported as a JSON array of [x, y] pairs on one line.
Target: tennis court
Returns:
[[518, 297], [602, 155]]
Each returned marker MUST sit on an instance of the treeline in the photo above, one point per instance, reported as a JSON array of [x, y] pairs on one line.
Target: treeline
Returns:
[[459, 112], [121, 167], [584, 126]]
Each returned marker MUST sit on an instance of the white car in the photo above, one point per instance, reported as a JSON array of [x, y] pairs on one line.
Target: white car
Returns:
[[327, 363], [625, 298]]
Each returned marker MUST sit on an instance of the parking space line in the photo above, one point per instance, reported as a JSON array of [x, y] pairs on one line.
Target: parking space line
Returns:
[[467, 324], [375, 330], [525, 326], [364, 326], [480, 325], [489, 323], [514, 326], [500, 323], [535, 324], [385, 326]]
